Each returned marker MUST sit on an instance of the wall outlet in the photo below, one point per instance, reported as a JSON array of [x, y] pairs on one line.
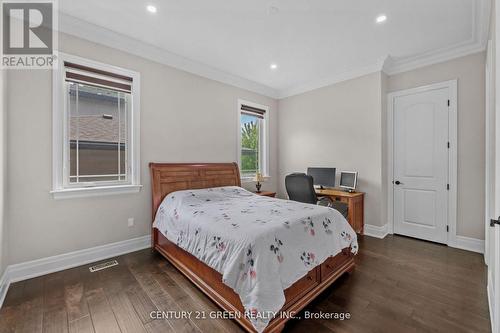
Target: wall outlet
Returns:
[[131, 222]]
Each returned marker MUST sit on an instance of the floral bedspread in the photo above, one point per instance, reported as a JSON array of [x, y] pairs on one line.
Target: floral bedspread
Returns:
[[260, 245]]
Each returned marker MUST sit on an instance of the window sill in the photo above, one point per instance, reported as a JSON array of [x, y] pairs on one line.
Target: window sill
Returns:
[[83, 192]]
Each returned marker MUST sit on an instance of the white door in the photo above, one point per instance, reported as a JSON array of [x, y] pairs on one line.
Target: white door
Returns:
[[490, 206], [420, 176], [492, 250]]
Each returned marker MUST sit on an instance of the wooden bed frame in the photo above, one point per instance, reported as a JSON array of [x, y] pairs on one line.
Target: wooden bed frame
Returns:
[[167, 178]]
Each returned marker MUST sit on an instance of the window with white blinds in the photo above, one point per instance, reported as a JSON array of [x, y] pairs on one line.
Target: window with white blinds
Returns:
[[98, 143], [253, 143]]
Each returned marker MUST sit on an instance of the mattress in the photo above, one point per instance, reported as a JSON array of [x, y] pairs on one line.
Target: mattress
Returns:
[[260, 245]]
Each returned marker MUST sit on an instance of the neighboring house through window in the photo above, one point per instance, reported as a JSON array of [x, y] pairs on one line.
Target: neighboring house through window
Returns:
[[253, 139], [96, 137]]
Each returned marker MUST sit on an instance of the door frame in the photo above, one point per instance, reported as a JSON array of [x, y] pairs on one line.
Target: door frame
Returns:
[[489, 147], [452, 154]]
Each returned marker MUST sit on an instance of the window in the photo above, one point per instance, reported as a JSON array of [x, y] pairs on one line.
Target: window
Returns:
[[253, 143], [95, 128]]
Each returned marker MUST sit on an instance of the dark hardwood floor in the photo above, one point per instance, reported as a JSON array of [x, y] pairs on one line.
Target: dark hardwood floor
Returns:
[[399, 285]]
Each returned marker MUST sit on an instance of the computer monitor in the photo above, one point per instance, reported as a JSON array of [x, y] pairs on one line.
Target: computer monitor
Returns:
[[322, 177], [348, 180]]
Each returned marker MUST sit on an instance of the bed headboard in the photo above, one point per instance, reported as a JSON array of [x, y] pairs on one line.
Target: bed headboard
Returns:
[[170, 177]]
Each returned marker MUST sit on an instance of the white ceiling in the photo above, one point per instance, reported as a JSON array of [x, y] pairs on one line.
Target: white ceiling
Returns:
[[313, 42]]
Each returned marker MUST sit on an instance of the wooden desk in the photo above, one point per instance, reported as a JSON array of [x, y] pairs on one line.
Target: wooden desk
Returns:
[[355, 202], [266, 193]]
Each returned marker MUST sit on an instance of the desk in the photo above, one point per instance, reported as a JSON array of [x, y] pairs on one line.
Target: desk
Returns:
[[355, 203], [266, 194]]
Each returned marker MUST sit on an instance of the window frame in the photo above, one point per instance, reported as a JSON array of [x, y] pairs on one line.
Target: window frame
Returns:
[[61, 187], [263, 140]]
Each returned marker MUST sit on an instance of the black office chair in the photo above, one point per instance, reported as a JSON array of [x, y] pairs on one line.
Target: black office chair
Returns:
[[300, 187]]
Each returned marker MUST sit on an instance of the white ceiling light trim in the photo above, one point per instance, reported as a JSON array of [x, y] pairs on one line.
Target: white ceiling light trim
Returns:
[[151, 9], [381, 19]]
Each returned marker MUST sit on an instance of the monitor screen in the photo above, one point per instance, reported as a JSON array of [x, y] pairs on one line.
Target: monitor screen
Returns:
[[324, 177], [348, 179]]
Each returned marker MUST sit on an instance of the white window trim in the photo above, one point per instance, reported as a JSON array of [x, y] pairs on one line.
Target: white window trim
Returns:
[[265, 148], [58, 133]]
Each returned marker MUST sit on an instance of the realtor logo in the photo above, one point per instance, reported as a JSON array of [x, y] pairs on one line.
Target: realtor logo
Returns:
[[28, 36]]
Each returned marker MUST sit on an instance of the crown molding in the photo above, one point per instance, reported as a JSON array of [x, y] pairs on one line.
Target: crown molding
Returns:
[[406, 64], [325, 82], [389, 65], [91, 32], [481, 16]]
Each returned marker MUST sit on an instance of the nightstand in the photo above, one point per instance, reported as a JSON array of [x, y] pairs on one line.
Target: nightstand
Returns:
[[266, 194]]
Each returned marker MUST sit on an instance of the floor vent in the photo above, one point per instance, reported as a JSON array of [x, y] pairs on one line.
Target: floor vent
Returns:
[[102, 266]]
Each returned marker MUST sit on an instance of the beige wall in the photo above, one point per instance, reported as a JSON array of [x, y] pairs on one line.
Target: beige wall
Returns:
[[184, 118], [345, 125], [3, 185], [470, 72], [336, 126]]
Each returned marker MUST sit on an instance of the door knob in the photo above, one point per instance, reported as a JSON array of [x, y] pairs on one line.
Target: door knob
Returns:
[[397, 182], [493, 222]]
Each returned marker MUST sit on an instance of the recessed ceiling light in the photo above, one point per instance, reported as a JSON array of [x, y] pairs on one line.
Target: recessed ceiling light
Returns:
[[381, 18], [151, 9], [273, 66]]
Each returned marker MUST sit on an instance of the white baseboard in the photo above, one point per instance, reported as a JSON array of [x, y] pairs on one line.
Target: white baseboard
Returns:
[[469, 244], [376, 231], [34, 268], [4, 286], [460, 242]]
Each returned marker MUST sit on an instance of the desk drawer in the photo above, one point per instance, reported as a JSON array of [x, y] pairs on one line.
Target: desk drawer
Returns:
[[302, 286], [339, 198], [342, 199]]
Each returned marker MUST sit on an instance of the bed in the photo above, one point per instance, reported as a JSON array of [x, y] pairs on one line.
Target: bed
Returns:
[[204, 204]]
